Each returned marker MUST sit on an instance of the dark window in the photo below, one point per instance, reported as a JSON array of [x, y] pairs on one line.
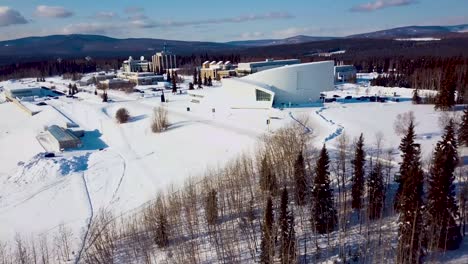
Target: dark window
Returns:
[[262, 96]]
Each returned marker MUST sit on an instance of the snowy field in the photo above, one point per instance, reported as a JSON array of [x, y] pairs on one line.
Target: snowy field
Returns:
[[122, 166]]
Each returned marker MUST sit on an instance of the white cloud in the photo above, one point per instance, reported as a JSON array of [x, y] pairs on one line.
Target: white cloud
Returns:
[[10, 16], [381, 4], [91, 28], [52, 11], [251, 35], [105, 15], [146, 23], [290, 32], [134, 10]]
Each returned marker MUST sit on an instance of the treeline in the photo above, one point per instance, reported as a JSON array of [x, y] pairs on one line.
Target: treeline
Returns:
[[424, 73], [56, 67], [288, 203]]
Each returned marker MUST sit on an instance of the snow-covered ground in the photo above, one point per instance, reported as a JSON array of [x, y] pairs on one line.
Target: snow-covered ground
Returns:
[[122, 166]]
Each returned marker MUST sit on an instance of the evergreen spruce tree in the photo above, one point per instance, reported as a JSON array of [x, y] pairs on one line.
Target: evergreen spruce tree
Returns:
[[267, 241], [407, 147], [268, 180], [416, 98], [211, 207], [288, 234], [324, 217], [168, 78], [375, 193], [463, 129], [446, 96], [300, 182], [195, 74], [199, 80], [205, 81], [210, 81], [174, 84], [442, 208], [358, 162], [411, 229]]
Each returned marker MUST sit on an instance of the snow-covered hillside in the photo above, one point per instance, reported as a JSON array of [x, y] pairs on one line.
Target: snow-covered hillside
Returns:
[[122, 166]]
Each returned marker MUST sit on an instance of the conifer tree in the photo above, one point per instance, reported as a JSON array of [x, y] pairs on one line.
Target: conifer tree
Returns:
[[407, 147], [174, 84], [463, 129], [75, 89], [210, 81], [211, 207], [375, 192], [446, 96], [195, 74], [442, 208], [267, 241], [324, 217], [410, 242], [300, 183], [205, 80], [168, 78], [288, 234], [199, 80], [268, 180], [191, 86], [358, 162], [416, 98]]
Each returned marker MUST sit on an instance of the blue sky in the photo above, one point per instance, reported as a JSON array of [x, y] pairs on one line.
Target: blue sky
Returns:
[[220, 20]]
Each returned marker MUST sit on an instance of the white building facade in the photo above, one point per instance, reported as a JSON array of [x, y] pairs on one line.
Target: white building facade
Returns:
[[132, 65], [163, 61], [283, 86]]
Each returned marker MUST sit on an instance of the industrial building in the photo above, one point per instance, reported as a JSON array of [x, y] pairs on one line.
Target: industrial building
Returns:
[[345, 73], [132, 65], [163, 61], [141, 78], [26, 91], [62, 139], [217, 70], [282, 86], [253, 67]]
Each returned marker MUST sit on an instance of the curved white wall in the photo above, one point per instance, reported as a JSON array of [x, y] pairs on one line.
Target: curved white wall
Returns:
[[300, 83], [242, 93]]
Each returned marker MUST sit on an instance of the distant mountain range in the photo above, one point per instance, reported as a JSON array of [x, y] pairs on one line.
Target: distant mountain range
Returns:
[[415, 32], [271, 42], [68, 46]]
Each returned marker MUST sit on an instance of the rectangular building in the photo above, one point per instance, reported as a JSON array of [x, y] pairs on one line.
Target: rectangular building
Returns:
[[253, 67], [217, 70], [141, 78], [132, 65], [63, 139], [163, 61]]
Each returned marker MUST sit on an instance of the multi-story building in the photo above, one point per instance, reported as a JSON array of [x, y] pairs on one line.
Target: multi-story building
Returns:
[[141, 78], [132, 65], [217, 70], [163, 61]]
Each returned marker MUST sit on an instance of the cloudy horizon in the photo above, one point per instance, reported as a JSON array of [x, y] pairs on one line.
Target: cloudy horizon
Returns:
[[220, 22]]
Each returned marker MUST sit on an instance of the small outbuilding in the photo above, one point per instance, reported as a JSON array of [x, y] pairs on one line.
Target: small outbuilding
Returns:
[[62, 138]]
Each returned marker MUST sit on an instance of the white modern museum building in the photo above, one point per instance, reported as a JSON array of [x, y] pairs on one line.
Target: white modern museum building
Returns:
[[283, 86]]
